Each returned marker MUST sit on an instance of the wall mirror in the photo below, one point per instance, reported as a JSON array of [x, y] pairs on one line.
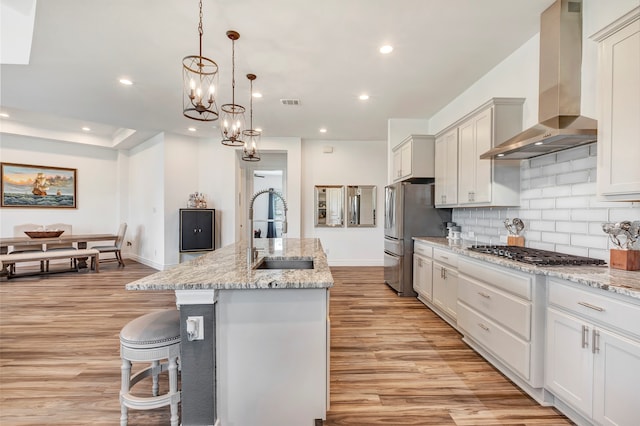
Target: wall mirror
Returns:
[[361, 206], [329, 205]]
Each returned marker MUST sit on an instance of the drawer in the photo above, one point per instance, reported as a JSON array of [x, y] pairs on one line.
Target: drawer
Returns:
[[422, 249], [512, 351], [503, 278], [598, 307], [445, 256], [511, 312]]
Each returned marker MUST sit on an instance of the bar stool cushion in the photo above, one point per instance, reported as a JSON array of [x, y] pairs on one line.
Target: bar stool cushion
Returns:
[[153, 330]]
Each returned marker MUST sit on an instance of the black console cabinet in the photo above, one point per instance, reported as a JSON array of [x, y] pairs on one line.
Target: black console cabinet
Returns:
[[197, 230]]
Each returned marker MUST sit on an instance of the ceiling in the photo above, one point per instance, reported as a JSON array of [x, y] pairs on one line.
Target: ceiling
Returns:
[[323, 53]]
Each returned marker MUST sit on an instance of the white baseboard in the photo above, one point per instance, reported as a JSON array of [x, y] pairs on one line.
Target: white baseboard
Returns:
[[355, 262]]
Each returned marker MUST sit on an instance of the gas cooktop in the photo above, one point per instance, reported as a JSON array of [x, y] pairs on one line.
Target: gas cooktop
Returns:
[[535, 256]]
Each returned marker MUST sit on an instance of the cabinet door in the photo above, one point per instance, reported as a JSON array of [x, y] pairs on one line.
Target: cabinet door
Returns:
[[618, 124], [445, 289], [474, 179], [466, 162], [446, 168], [483, 143], [406, 155], [196, 230], [569, 360], [616, 395], [422, 276], [397, 165], [451, 295]]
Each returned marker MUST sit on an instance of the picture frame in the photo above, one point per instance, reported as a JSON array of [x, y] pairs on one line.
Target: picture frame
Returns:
[[33, 186]]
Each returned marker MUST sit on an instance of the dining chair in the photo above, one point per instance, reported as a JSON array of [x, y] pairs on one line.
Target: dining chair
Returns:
[[18, 231], [115, 248], [68, 230]]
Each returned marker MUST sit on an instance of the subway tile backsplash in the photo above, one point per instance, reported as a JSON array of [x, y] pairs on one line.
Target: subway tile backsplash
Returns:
[[559, 207]]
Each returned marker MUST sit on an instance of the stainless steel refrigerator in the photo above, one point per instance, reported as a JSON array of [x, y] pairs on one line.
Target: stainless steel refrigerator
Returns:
[[409, 212]]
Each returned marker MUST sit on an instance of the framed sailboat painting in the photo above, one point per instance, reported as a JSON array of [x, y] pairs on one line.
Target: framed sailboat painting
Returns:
[[30, 186]]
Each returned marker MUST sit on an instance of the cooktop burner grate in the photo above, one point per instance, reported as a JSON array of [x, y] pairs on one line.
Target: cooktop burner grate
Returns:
[[535, 256]]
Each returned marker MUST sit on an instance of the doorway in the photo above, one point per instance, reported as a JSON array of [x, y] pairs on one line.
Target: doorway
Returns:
[[268, 211]]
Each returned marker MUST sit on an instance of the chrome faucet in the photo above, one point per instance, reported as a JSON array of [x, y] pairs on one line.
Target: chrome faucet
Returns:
[[252, 252]]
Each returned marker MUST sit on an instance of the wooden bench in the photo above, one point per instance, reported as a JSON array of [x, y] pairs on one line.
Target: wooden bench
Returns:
[[11, 259]]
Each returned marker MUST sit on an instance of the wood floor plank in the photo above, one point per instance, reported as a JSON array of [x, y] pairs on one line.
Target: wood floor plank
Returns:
[[393, 361]]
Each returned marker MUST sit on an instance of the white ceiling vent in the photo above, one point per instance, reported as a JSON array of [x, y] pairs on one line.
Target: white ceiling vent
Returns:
[[290, 101]]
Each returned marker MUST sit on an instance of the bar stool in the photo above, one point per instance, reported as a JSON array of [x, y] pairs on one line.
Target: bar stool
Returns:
[[150, 338]]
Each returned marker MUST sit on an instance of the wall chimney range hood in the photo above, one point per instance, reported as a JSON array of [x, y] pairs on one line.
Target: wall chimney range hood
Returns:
[[560, 124]]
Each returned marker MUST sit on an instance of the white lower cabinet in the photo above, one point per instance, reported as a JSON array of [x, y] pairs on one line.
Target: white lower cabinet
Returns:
[[592, 357], [423, 276], [500, 316], [445, 283]]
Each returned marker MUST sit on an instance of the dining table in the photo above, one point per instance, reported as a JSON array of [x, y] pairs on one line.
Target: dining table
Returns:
[[80, 240]]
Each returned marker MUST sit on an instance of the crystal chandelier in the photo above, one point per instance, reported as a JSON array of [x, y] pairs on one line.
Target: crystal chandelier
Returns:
[[200, 79], [232, 114], [251, 136]]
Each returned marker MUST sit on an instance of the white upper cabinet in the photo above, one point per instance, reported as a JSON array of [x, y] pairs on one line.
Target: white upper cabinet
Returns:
[[479, 183], [414, 158], [619, 103], [446, 189]]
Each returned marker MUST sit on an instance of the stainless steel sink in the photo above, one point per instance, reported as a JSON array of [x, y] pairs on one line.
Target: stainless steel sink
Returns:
[[280, 263]]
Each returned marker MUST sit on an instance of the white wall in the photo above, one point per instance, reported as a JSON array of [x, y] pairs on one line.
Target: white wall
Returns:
[[180, 180], [146, 191], [98, 197], [351, 163]]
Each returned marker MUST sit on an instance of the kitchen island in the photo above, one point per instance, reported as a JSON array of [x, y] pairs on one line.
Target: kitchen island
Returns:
[[264, 353]]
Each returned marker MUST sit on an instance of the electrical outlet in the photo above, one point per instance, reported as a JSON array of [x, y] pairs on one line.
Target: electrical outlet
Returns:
[[195, 328]]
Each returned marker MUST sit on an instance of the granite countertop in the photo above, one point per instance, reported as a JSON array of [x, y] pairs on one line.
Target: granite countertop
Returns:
[[614, 280], [226, 269]]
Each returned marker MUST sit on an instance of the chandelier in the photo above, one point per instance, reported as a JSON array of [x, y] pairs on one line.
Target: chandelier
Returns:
[[251, 136], [200, 78], [232, 114]]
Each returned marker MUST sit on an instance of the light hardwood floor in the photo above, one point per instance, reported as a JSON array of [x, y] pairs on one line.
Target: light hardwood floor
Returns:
[[393, 362]]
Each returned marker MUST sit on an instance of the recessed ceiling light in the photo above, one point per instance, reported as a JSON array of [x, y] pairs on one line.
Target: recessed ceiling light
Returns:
[[323, 130], [191, 129], [86, 129], [386, 49], [126, 82], [4, 115], [363, 97], [257, 94], [500, 155], [258, 129], [538, 143]]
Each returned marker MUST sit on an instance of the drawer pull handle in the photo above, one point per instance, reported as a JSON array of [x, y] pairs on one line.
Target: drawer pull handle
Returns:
[[585, 336], [596, 342], [482, 326], [590, 306], [485, 295], [444, 257]]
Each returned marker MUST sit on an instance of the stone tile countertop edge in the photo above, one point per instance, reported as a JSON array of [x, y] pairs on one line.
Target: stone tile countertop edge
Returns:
[[626, 283], [226, 269]]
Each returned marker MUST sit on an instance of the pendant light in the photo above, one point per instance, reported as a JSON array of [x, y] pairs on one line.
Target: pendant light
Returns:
[[200, 79], [232, 114], [251, 136]]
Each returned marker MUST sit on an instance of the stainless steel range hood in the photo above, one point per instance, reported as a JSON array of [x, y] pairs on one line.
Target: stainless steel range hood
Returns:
[[560, 124]]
